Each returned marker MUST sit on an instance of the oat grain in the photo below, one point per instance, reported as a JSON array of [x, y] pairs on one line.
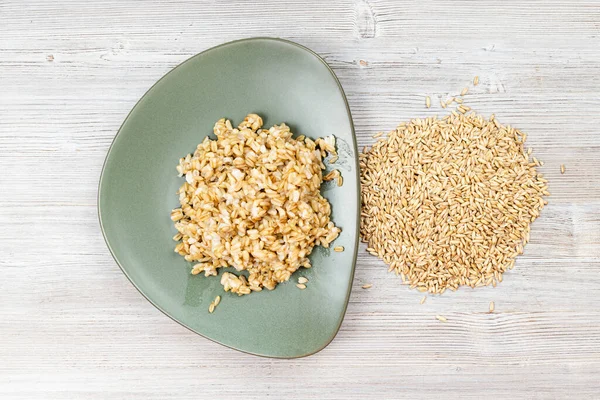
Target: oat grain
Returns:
[[247, 200], [448, 202]]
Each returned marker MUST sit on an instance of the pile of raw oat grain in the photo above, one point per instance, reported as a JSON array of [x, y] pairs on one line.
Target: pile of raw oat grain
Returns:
[[449, 202]]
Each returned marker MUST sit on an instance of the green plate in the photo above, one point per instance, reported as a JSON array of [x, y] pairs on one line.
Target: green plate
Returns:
[[283, 82]]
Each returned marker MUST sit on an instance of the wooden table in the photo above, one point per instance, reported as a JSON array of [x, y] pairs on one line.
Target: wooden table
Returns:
[[72, 326]]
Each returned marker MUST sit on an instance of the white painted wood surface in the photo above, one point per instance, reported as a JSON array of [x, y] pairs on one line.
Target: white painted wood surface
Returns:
[[73, 327]]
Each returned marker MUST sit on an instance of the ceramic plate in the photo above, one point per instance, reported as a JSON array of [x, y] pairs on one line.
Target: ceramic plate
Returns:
[[283, 82]]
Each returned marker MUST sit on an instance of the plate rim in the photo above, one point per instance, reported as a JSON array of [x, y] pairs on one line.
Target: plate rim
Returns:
[[358, 195]]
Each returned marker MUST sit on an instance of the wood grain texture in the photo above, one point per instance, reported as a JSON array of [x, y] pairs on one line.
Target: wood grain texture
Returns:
[[72, 326]]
